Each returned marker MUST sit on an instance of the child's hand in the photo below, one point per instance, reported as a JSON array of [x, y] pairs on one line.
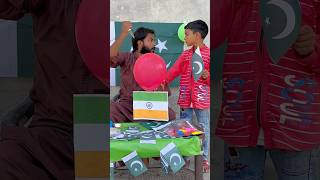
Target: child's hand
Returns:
[[162, 85], [305, 42], [205, 74]]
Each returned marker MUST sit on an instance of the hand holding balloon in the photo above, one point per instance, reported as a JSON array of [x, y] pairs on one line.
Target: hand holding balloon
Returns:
[[305, 42], [205, 74]]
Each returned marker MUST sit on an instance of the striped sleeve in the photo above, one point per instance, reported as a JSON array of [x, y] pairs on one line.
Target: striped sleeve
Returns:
[[175, 70]]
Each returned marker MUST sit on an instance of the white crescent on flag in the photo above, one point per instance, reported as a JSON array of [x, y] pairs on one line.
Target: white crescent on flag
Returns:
[[290, 15], [173, 155], [138, 163]]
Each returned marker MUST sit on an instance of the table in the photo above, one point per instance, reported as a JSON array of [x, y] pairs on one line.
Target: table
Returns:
[[187, 147]]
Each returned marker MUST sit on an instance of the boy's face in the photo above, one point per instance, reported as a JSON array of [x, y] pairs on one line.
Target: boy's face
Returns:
[[190, 37]]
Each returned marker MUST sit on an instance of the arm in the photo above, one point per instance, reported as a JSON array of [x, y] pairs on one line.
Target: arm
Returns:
[[114, 50], [175, 70], [117, 58], [15, 9]]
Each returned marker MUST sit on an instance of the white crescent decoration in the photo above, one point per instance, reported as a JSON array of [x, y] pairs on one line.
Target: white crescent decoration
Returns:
[[175, 155], [136, 162], [200, 67], [290, 15]]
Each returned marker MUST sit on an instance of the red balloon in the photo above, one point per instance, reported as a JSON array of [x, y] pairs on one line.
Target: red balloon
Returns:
[[91, 32], [149, 71]]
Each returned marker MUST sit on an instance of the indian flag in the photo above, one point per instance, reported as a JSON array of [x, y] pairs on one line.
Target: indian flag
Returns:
[[150, 105], [91, 134]]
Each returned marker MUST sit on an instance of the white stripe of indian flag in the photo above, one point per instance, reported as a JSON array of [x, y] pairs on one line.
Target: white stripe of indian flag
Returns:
[[151, 105]]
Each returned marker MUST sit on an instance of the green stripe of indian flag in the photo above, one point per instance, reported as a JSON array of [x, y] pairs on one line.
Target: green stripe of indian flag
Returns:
[[150, 96], [91, 108], [151, 105]]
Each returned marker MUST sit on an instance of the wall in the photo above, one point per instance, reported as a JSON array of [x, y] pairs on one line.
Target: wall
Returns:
[[173, 11]]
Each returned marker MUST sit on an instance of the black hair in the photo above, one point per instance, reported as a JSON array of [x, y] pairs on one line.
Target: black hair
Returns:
[[140, 34], [198, 26]]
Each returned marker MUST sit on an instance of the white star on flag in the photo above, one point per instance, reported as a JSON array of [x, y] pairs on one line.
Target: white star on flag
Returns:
[[161, 45]]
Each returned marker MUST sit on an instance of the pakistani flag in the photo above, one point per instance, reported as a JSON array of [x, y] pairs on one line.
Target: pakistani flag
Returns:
[[16, 47], [151, 125], [281, 25], [150, 105], [197, 64], [164, 165], [171, 155], [134, 164], [91, 135], [168, 45], [148, 137]]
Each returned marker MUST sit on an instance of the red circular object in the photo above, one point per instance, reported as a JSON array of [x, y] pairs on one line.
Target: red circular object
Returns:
[[91, 32], [149, 71]]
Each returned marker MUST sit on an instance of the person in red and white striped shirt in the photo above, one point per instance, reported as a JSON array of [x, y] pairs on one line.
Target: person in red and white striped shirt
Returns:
[[194, 94], [268, 107]]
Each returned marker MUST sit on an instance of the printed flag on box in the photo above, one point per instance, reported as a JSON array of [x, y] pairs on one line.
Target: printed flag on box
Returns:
[[150, 105], [172, 158], [134, 164]]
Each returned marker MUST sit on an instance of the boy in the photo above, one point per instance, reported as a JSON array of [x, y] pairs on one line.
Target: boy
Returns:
[[268, 107], [194, 94]]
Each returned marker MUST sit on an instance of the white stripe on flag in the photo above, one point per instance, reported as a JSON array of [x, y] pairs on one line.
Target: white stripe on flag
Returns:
[[112, 32], [168, 148], [129, 156], [153, 105], [8, 49], [112, 39], [198, 52], [112, 77]]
